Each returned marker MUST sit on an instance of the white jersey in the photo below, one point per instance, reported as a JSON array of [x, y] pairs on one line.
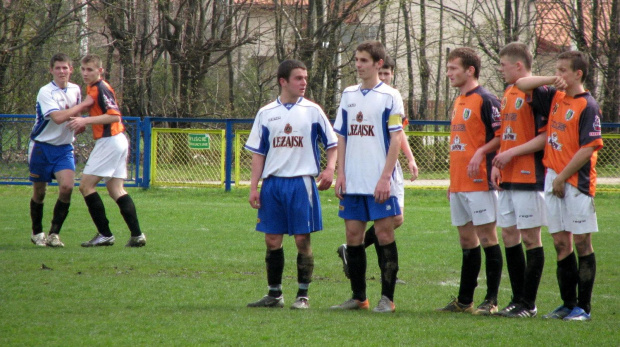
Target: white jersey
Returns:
[[365, 119], [288, 136], [53, 98]]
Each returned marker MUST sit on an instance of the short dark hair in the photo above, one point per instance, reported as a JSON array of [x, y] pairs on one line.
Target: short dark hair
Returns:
[[92, 58], [374, 48], [469, 57], [578, 61], [60, 57], [285, 68], [389, 63], [518, 51]]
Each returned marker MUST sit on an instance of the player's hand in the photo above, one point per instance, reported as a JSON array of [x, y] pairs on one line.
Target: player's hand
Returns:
[[325, 179], [340, 187], [557, 187], [382, 191], [496, 178], [502, 158], [448, 193], [560, 83], [254, 199], [77, 123], [413, 168], [473, 169]]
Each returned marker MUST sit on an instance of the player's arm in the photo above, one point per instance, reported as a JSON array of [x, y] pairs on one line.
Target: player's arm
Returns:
[[382, 189], [496, 178], [534, 145], [577, 162], [62, 116], [528, 84], [473, 169], [258, 164], [326, 177], [341, 183], [413, 167]]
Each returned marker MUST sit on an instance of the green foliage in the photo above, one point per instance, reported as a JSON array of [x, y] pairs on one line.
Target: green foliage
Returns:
[[204, 262]]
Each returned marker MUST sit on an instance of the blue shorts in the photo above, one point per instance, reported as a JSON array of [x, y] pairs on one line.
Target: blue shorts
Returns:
[[44, 160], [289, 205], [364, 208]]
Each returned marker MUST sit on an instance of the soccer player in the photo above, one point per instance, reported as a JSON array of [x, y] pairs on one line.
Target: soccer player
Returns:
[[518, 174], [108, 160], [284, 142], [369, 128], [475, 118], [50, 152], [386, 75], [573, 140]]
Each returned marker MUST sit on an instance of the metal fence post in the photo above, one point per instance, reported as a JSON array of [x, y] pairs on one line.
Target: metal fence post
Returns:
[[146, 167], [230, 136]]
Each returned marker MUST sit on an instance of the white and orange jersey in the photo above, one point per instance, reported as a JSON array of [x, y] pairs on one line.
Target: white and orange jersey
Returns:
[[574, 123], [288, 135], [53, 98], [475, 119], [365, 119]]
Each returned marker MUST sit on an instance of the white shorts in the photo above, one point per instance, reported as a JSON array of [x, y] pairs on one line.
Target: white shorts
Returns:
[[400, 186], [109, 157], [574, 213], [523, 208], [477, 207]]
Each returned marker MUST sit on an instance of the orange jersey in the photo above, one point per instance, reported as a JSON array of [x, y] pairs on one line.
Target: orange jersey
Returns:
[[522, 119], [475, 118], [105, 103], [574, 123]]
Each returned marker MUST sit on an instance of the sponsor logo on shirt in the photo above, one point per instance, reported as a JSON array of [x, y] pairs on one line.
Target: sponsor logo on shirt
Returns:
[[509, 135], [553, 141], [497, 116], [457, 145], [273, 118], [458, 127], [361, 130], [510, 116], [596, 127]]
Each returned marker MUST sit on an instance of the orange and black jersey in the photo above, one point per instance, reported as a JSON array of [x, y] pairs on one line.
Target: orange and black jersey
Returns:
[[523, 117], [574, 123], [475, 119], [105, 103]]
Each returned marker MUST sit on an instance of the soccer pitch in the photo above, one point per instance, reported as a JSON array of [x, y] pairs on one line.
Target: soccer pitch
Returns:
[[204, 262]]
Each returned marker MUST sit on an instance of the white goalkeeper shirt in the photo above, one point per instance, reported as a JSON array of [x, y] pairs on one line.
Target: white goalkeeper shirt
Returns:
[[365, 119], [288, 135], [53, 98]]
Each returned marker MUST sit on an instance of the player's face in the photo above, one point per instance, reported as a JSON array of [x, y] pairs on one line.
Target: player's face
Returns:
[[296, 85], [564, 70], [386, 75], [509, 69], [91, 73], [366, 67], [457, 74], [62, 72]]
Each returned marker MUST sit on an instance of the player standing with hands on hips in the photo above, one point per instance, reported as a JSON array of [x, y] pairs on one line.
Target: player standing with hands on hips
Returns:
[[573, 141], [50, 152], [284, 142], [108, 159], [369, 127]]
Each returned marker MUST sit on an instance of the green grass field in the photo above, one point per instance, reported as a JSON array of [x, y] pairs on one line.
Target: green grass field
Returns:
[[204, 262]]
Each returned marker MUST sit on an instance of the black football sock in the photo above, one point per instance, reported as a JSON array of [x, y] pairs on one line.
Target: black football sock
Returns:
[[568, 276], [357, 271], [36, 215], [389, 270], [275, 266], [305, 268], [533, 273], [515, 263], [128, 211], [470, 269], [97, 213], [493, 265], [370, 237], [587, 272], [61, 210]]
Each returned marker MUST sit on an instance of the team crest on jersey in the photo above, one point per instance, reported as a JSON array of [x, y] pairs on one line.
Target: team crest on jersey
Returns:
[[509, 135], [288, 129], [569, 114], [504, 102], [466, 114], [555, 108], [360, 117], [518, 103], [596, 126], [497, 116], [553, 141], [457, 145]]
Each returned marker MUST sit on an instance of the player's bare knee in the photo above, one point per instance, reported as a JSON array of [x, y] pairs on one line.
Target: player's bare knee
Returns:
[[398, 221], [583, 244]]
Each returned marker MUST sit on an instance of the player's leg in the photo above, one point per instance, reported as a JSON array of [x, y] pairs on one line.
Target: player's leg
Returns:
[[533, 272], [96, 208], [274, 260], [388, 263], [587, 273], [494, 262], [40, 175], [305, 268], [567, 274], [127, 208], [515, 257], [66, 180]]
